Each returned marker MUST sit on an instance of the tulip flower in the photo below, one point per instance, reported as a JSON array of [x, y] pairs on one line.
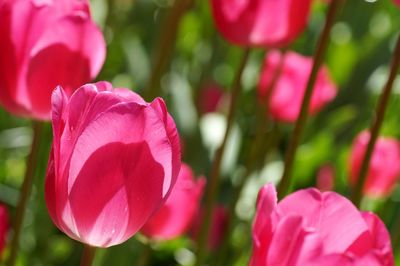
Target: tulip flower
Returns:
[[219, 223], [313, 228], [384, 167], [4, 226], [293, 70], [176, 215], [265, 23], [211, 99], [397, 2], [113, 163], [44, 44], [326, 178]]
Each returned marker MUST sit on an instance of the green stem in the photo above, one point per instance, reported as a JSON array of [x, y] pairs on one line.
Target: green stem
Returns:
[[146, 254], [88, 255], [285, 183], [258, 143], [377, 124], [166, 46], [213, 184], [255, 149], [25, 191]]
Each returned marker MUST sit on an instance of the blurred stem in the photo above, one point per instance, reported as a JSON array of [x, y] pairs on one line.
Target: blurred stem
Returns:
[[254, 155], [377, 124], [263, 120], [165, 46], [285, 182], [145, 255], [213, 183], [88, 255], [32, 161]]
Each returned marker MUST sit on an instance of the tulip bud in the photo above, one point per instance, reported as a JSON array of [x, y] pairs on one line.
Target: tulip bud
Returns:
[[113, 163], [326, 178], [176, 215], [44, 44]]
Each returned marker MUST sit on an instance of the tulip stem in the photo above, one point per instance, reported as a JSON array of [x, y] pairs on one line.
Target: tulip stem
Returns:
[[88, 255], [146, 255], [165, 47], [323, 42], [376, 124], [25, 191], [213, 184], [262, 123]]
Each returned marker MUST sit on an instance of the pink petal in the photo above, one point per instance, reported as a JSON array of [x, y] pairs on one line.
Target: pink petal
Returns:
[[334, 217], [263, 225], [292, 243], [380, 237]]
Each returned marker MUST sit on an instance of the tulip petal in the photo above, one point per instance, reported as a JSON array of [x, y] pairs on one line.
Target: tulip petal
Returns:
[[159, 106], [292, 243], [263, 225], [339, 222], [380, 238], [112, 181]]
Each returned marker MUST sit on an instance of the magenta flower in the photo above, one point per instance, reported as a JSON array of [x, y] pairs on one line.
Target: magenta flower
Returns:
[[309, 227], [384, 167], [4, 227], [177, 214], [114, 161], [326, 178], [211, 98], [266, 23], [287, 95], [219, 224], [43, 44]]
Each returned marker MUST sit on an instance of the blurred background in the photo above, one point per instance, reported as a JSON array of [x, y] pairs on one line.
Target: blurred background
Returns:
[[199, 62]]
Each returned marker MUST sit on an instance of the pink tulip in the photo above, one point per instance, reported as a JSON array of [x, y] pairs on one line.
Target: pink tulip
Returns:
[[114, 161], [266, 23], [176, 215], [326, 178], [397, 2], [219, 224], [384, 167], [287, 95], [309, 227], [4, 226], [211, 98], [43, 44]]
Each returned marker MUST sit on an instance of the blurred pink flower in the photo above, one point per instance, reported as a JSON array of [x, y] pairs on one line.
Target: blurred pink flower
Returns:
[[266, 23], [287, 95], [219, 224], [43, 44], [177, 213], [4, 226], [384, 168], [326, 178], [313, 228], [113, 163], [210, 99], [397, 2]]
